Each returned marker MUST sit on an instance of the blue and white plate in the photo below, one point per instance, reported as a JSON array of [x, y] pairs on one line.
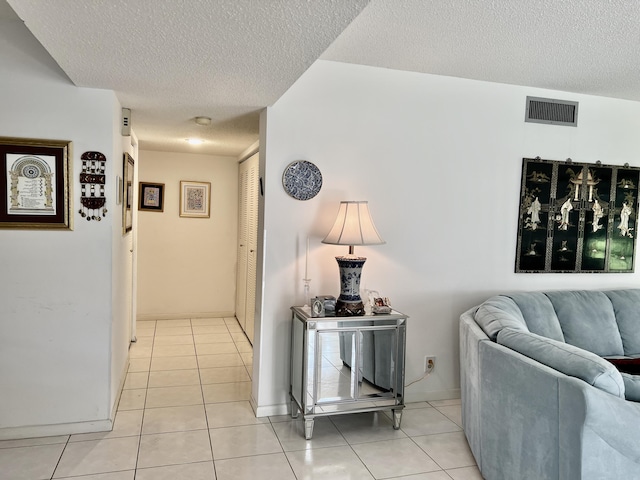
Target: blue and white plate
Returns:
[[302, 180]]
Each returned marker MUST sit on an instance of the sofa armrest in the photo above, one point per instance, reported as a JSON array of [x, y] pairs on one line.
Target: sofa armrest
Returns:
[[565, 358], [471, 336], [610, 429], [497, 313], [631, 386]]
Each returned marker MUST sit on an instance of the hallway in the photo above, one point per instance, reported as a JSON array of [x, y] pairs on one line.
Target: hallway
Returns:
[[184, 414]]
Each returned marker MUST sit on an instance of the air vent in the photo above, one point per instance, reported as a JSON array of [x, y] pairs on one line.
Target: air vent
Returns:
[[551, 112], [126, 122]]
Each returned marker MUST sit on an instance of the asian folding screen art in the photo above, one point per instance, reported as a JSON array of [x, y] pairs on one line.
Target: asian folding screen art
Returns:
[[577, 217]]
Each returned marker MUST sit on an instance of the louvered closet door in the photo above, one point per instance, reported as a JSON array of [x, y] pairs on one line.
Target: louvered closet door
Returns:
[[241, 274], [252, 242], [249, 185]]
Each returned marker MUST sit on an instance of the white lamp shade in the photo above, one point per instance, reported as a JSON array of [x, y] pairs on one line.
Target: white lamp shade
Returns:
[[353, 226]]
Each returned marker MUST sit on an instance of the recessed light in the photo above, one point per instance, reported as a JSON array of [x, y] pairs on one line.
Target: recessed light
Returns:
[[195, 141]]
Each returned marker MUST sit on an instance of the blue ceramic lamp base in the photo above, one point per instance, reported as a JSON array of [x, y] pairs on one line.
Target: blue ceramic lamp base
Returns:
[[349, 302]]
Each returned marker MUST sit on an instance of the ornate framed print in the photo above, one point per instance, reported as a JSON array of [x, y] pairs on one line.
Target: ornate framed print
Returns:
[[35, 185], [195, 199], [151, 197]]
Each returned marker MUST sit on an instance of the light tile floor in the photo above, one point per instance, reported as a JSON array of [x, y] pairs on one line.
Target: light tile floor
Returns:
[[184, 414]]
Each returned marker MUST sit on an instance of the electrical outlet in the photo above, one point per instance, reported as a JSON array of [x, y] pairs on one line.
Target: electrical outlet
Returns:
[[429, 363]]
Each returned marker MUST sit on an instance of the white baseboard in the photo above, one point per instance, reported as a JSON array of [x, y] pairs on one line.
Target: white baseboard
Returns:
[[31, 431], [272, 410], [410, 397], [180, 316], [254, 404], [269, 410], [116, 400]]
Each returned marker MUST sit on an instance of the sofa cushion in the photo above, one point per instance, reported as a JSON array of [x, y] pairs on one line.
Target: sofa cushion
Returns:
[[539, 314], [588, 321], [631, 387], [625, 307], [497, 313], [565, 358]]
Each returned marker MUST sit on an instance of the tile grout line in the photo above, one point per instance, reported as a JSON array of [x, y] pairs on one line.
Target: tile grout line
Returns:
[[146, 393], [53, 473], [351, 446], [283, 450], [425, 452], [204, 405], [144, 408]]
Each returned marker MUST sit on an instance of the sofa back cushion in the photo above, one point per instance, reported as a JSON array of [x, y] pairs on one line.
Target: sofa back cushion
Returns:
[[539, 314], [565, 358], [588, 321], [626, 307], [497, 313]]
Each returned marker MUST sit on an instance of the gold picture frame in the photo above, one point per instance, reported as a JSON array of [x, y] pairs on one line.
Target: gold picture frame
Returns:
[[127, 194], [151, 197], [195, 199], [36, 191]]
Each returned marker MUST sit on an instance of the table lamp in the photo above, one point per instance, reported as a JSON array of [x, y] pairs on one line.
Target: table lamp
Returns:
[[353, 226]]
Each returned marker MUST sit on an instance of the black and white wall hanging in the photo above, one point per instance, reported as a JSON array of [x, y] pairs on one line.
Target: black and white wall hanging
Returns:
[[577, 217], [92, 183]]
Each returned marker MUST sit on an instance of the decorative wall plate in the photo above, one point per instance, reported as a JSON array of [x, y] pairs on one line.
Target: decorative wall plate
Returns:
[[302, 180]]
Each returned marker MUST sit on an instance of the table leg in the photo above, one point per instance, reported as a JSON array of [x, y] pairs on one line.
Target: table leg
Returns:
[[397, 418], [308, 428], [294, 409]]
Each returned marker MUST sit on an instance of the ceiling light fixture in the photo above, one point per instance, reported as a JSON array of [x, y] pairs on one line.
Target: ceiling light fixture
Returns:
[[204, 121]]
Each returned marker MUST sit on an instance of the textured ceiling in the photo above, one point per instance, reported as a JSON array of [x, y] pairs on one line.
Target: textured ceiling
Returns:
[[172, 60], [582, 46], [6, 12]]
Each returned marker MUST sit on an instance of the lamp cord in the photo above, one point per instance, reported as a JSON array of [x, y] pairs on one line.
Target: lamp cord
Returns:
[[426, 374]]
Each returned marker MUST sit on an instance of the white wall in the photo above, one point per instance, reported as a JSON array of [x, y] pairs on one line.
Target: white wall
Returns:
[[439, 160], [187, 266], [56, 286]]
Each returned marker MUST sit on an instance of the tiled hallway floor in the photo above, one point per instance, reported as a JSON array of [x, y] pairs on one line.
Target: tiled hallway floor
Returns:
[[184, 414]]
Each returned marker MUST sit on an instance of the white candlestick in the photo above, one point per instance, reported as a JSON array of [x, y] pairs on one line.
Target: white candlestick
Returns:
[[306, 262]]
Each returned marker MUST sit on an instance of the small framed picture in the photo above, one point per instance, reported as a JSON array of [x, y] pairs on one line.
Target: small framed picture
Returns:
[[195, 199], [151, 197]]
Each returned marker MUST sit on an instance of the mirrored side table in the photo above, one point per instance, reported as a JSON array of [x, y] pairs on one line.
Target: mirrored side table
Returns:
[[345, 365]]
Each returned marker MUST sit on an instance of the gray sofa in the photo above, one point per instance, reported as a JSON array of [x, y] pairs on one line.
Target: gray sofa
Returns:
[[539, 401]]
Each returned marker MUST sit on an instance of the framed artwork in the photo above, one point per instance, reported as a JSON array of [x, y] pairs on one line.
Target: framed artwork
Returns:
[[577, 217], [127, 196], [151, 197], [35, 183], [195, 199]]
